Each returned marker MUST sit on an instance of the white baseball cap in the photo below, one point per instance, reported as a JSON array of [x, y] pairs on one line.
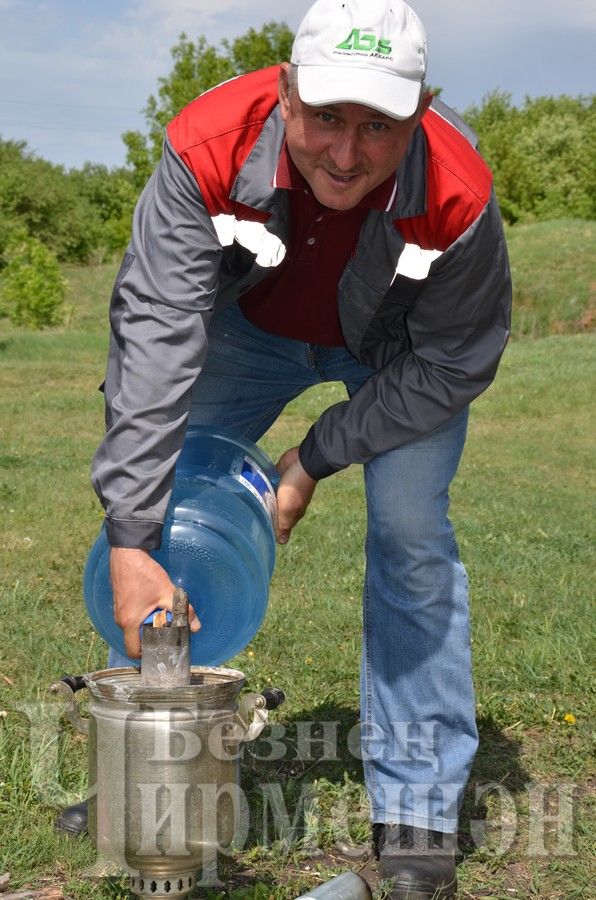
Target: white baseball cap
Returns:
[[371, 52]]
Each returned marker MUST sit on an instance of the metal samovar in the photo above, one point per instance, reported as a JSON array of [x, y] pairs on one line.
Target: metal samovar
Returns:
[[164, 758]]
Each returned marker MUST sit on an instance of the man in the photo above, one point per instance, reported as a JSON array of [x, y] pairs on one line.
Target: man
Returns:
[[311, 222]]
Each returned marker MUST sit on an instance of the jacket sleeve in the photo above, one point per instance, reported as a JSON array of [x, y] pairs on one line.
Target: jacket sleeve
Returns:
[[458, 326], [161, 303]]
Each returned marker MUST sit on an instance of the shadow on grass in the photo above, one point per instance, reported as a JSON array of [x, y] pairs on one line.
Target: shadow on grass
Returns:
[[317, 744], [322, 743], [333, 764], [497, 769]]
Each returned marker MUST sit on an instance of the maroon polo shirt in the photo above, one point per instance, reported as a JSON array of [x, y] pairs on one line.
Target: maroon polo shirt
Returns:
[[299, 299]]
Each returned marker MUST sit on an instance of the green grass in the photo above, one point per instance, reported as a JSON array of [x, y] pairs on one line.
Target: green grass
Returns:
[[522, 508], [552, 264]]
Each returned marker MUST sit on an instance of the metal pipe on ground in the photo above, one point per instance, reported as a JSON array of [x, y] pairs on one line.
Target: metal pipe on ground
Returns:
[[348, 886]]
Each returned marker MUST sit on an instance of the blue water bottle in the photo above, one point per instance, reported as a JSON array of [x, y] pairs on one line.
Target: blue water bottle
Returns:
[[218, 544]]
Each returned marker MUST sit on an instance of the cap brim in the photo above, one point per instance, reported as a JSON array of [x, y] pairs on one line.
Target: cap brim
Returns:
[[394, 95]]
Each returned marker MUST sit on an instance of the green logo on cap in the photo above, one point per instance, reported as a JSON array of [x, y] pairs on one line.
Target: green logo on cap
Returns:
[[369, 43]]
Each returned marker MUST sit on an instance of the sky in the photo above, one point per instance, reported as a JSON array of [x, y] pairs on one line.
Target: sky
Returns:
[[75, 74]]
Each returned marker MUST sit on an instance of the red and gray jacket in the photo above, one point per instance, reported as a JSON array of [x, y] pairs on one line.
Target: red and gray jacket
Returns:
[[424, 299]]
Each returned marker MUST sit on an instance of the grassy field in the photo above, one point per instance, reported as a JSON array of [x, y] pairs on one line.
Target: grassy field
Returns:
[[522, 507]]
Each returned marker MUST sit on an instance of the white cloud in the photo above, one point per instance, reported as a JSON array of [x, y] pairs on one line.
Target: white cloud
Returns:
[[159, 22]]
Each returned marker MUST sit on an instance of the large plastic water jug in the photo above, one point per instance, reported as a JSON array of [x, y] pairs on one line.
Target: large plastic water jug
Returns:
[[218, 543]]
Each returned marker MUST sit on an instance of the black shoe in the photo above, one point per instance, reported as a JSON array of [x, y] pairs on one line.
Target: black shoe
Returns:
[[420, 862], [73, 819]]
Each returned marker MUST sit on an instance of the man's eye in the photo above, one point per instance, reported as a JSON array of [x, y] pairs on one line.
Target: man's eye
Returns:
[[326, 117], [377, 126]]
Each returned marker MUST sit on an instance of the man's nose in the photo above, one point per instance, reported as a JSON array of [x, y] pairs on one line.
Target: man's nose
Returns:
[[344, 151]]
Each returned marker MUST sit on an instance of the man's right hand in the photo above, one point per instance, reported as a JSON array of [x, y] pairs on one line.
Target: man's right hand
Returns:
[[140, 585]]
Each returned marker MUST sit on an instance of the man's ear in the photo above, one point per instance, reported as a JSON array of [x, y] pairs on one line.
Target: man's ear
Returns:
[[426, 102], [282, 90]]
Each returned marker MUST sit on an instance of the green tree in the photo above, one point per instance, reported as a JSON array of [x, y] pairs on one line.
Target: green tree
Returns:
[[41, 197], [32, 286], [199, 66], [112, 195], [543, 154]]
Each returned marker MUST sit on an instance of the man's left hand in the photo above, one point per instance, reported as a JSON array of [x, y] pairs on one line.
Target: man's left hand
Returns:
[[294, 493]]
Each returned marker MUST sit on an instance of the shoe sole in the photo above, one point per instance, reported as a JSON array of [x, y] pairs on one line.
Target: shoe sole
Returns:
[[65, 828]]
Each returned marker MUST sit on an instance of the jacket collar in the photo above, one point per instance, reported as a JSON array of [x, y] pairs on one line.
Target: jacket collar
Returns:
[[411, 179], [254, 183]]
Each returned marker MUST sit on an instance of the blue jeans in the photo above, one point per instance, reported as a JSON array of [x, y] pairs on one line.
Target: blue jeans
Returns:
[[417, 702]]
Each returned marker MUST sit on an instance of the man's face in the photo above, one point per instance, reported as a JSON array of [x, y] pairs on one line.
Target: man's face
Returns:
[[343, 150]]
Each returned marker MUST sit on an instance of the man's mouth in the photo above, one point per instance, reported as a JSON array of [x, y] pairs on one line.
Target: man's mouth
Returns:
[[342, 179]]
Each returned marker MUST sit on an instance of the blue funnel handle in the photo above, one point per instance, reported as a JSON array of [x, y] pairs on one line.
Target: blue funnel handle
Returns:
[[151, 616]]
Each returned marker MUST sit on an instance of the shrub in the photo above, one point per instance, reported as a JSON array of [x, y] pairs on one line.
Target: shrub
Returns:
[[112, 196], [543, 155], [43, 199], [32, 286]]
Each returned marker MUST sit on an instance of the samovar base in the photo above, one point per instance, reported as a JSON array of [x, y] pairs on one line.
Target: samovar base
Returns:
[[146, 885]]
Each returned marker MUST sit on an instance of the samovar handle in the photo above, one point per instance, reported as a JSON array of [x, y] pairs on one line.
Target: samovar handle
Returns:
[[66, 687], [259, 705]]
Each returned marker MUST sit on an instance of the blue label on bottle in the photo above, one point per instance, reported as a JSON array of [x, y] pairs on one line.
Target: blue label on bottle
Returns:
[[253, 477]]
